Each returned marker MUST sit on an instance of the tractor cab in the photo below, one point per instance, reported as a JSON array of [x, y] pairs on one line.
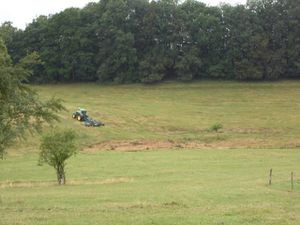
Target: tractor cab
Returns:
[[82, 111], [80, 114]]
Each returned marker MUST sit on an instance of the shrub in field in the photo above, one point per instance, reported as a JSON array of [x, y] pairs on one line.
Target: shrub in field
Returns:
[[216, 127], [56, 148]]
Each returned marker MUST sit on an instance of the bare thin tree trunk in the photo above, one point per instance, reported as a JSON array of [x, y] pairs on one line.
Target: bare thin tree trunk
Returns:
[[61, 177]]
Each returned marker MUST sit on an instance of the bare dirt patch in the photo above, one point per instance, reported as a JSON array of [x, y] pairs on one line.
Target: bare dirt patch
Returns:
[[145, 205], [142, 145], [130, 145]]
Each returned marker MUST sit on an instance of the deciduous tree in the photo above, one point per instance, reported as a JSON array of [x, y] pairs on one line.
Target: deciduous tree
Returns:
[[21, 111], [56, 147]]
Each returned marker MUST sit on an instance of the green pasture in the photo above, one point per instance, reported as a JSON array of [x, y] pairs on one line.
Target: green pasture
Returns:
[[225, 184], [252, 114], [168, 187]]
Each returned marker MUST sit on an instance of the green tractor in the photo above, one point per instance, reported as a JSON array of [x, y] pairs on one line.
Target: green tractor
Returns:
[[80, 115]]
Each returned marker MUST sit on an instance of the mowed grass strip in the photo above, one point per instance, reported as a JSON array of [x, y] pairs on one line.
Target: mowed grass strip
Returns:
[[154, 187]]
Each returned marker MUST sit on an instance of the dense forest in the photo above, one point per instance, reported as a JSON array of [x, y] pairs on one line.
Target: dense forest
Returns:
[[126, 41]]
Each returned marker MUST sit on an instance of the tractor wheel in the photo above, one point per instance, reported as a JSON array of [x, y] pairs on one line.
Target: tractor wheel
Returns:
[[73, 116], [79, 118]]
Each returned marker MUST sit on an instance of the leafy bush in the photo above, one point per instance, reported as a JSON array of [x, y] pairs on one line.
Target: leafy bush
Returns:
[[56, 147], [216, 127]]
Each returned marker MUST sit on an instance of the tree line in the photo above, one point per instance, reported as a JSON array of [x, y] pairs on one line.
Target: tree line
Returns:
[[128, 41]]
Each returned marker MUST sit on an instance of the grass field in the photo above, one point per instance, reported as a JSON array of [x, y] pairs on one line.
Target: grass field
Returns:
[[253, 115], [156, 187], [185, 175]]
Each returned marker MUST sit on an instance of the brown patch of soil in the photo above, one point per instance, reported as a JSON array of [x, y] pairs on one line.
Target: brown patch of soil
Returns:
[[143, 145], [140, 205], [132, 145]]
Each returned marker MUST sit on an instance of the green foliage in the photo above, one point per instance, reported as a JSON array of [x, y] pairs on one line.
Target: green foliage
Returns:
[[216, 127], [118, 63], [7, 31], [115, 41], [5, 60], [151, 69], [21, 110], [56, 147], [188, 66]]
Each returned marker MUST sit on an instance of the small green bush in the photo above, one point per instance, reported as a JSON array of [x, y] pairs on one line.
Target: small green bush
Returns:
[[56, 147], [216, 127]]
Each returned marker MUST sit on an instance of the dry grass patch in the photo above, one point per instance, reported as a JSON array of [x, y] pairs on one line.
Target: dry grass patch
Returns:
[[30, 184], [210, 142]]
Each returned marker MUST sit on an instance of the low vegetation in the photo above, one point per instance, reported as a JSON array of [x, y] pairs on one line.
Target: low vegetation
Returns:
[[155, 187], [164, 181], [216, 127], [253, 115]]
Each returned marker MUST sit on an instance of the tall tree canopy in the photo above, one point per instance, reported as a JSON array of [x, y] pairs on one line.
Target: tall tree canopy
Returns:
[[140, 41]]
